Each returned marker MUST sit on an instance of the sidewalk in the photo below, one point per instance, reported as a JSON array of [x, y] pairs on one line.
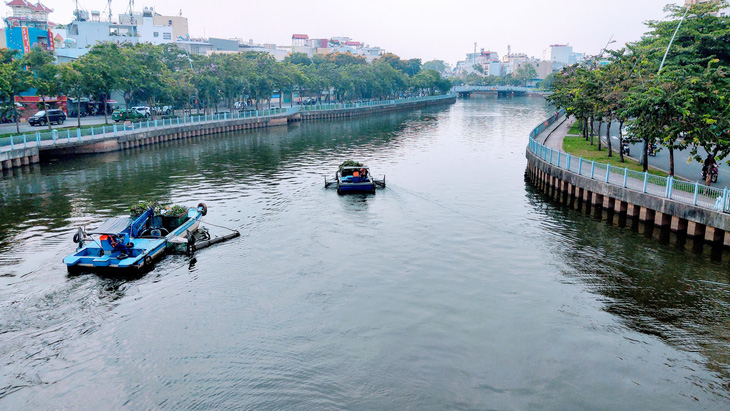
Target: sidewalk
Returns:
[[553, 136]]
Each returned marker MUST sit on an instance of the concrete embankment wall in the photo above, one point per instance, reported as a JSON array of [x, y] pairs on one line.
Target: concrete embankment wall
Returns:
[[364, 111], [686, 221], [144, 138]]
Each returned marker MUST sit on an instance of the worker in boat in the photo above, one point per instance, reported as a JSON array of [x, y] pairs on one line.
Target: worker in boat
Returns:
[[117, 243], [363, 173], [355, 176]]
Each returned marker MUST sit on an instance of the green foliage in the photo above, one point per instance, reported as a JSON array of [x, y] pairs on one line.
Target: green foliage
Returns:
[[151, 75], [176, 210], [436, 65], [683, 105], [349, 163], [138, 209]]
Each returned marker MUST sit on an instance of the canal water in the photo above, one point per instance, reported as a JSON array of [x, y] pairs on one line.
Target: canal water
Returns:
[[459, 286]]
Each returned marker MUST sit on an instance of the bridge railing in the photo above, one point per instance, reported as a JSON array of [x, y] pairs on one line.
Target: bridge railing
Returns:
[[374, 103], [129, 127], [686, 192]]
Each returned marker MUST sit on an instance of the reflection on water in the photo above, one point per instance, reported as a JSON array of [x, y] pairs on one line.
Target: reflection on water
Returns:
[[457, 286]]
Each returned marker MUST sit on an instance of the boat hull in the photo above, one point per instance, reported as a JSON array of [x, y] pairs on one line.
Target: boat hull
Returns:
[[346, 188], [140, 258]]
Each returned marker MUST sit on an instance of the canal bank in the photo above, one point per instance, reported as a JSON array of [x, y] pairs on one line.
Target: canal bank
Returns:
[[27, 150], [688, 210]]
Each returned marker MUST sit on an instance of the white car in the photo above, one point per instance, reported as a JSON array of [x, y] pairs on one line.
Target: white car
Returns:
[[143, 110]]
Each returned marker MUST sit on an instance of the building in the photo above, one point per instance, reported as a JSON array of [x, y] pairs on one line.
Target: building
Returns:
[[301, 43], [483, 62], [27, 27], [562, 55], [178, 23]]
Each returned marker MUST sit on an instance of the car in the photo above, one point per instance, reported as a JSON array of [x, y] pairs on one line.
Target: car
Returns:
[[143, 110], [126, 114], [162, 110], [55, 115], [309, 102]]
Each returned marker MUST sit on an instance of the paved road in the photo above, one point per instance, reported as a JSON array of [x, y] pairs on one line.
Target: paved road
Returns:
[[70, 122], [691, 171]]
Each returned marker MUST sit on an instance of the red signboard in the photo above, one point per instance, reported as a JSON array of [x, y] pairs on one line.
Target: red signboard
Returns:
[[26, 40], [51, 42]]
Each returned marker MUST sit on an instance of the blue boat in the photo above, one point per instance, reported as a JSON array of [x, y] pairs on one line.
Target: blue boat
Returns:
[[354, 178], [124, 245]]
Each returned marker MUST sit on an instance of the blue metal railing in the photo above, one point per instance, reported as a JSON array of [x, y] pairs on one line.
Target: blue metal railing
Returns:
[[114, 130], [105, 131], [374, 103], [685, 192]]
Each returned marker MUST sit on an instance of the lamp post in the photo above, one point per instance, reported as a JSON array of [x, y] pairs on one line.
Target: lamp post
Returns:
[[610, 41], [672, 40]]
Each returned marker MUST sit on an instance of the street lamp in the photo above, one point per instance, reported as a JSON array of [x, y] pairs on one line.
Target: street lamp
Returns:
[[672, 40], [610, 41]]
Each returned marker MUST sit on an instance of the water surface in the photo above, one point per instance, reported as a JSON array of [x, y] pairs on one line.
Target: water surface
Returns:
[[459, 286]]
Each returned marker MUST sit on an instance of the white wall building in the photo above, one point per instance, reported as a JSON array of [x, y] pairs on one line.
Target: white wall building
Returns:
[[134, 28]]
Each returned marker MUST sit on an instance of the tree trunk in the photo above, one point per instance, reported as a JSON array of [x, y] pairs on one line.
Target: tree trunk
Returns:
[[106, 118], [78, 112], [671, 160], [48, 120], [584, 123], [16, 117], [598, 134], [645, 156], [590, 120], [608, 139], [621, 141]]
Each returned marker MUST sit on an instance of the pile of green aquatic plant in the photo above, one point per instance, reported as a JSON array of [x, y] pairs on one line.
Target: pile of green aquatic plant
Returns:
[[170, 210], [142, 206], [175, 210], [350, 163]]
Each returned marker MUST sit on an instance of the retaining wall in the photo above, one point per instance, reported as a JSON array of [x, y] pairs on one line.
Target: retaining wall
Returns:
[[581, 191]]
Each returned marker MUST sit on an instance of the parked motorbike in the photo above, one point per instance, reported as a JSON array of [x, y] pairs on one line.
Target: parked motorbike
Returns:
[[625, 148], [713, 170]]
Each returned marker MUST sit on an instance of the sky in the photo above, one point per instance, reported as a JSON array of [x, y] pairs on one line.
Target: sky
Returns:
[[426, 29]]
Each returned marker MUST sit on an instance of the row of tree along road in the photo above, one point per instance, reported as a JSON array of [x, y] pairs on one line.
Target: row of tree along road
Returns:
[[683, 106], [165, 74]]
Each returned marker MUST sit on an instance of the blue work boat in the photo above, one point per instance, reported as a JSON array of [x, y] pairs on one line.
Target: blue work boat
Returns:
[[123, 244], [354, 177]]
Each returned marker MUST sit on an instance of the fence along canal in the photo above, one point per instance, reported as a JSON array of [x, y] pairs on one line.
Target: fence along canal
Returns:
[[23, 150], [688, 209]]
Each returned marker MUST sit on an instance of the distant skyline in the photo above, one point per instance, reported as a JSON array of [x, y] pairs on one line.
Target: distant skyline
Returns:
[[426, 29]]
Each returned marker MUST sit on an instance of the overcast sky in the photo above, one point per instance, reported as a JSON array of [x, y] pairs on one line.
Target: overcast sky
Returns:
[[426, 29]]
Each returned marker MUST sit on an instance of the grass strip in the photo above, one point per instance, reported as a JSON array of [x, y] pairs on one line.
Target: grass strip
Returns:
[[578, 147]]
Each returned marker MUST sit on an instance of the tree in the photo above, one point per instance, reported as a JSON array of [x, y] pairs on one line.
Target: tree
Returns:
[[145, 76], [525, 73], [45, 76], [14, 79], [102, 69], [300, 59], [436, 65], [73, 84]]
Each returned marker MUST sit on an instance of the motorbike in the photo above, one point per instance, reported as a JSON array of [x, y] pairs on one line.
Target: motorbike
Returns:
[[713, 173], [652, 150], [625, 148]]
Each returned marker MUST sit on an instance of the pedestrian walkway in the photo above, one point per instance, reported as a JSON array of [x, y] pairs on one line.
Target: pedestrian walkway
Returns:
[[553, 136]]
